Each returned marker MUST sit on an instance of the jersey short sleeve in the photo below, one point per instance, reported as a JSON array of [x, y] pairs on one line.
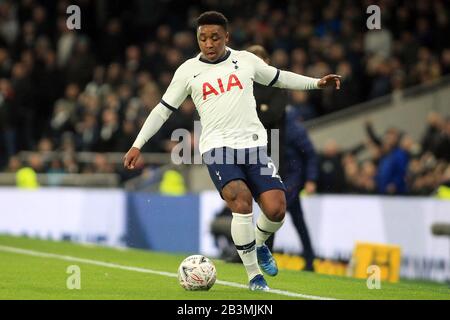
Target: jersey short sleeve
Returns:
[[177, 91], [264, 74]]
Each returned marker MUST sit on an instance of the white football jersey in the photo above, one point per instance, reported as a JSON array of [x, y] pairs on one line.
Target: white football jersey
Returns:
[[222, 92]]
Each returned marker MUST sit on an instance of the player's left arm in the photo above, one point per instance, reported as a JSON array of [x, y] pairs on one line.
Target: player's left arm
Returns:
[[271, 76], [291, 80]]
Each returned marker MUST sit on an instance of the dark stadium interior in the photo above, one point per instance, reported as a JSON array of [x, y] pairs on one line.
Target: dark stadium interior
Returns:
[[93, 89]]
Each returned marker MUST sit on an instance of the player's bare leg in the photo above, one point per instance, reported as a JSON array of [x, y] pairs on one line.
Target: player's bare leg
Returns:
[[273, 205], [239, 200], [238, 197]]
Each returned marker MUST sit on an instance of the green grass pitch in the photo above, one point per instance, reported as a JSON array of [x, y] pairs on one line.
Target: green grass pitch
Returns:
[[40, 272]]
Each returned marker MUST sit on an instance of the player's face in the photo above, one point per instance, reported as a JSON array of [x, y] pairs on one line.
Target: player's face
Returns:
[[212, 40]]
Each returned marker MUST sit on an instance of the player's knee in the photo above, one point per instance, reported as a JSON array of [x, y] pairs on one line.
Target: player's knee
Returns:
[[242, 203], [278, 214], [238, 197], [241, 206], [277, 210]]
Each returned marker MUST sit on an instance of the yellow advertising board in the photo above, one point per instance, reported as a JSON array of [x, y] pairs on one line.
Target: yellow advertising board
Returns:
[[386, 257]]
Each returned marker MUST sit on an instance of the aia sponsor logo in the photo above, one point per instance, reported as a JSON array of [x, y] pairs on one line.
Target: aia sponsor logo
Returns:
[[219, 87]]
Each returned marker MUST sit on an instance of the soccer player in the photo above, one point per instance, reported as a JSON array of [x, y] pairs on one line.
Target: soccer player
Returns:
[[220, 82]]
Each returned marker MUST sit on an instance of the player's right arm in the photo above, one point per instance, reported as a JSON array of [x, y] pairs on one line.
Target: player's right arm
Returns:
[[175, 94]]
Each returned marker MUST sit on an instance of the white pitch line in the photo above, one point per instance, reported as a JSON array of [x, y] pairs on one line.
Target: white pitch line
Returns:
[[143, 270]]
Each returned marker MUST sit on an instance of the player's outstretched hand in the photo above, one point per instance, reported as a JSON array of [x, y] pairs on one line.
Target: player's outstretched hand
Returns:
[[129, 160], [330, 80]]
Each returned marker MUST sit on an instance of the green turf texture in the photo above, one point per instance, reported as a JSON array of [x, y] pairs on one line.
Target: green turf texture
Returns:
[[29, 277]]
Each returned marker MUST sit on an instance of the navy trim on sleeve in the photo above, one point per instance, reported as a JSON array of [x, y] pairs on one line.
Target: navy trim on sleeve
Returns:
[[275, 79], [168, 106]]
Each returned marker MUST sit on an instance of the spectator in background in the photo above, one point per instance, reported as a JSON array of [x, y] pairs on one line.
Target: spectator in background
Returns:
[[87, 132], [352, 173], [352, 93], [445, 60], [430, 140], [270, 106], [299, 166], [443, 189], [8, 122], [437, 136], [379, 71], [392, 163], [299, 101], [26, 178], [112, 42], [14, 164], [49, 86], [5, 62], [108, 131], [101, 164], [70, 164], [65, 43], [36, 162], [378, 42], [127, 136], [64, 113], [366, 181], [443, 144], [22, 86], [81, 63], [9, 24], [45, 146], [301, 172], [333, 167]]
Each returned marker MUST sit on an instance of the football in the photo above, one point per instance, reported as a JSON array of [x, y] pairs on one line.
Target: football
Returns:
[[197, 272]]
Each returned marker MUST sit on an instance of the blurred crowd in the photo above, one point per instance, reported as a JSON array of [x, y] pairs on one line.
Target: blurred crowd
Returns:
[[92, 89], [392, 163]]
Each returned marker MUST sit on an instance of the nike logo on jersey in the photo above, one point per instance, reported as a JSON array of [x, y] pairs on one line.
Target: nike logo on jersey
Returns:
[[195, 75], [218, 174]]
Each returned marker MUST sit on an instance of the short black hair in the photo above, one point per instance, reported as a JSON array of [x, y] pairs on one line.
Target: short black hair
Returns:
[[212, 17]]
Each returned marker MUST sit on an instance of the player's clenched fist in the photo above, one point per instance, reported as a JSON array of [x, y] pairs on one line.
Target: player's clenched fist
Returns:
[[129, 160]]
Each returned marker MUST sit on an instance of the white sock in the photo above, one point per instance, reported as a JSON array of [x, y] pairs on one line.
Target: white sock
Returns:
[[265, 228], [243, 234]]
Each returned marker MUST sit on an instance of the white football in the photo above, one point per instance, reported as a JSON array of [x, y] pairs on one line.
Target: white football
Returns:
[[197, 272]]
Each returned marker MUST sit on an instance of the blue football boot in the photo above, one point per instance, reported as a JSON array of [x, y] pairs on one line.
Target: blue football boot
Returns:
[[258, 283], [265, 260]]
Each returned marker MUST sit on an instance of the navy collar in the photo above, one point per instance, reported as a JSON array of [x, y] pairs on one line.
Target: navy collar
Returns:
[[225, 57]]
